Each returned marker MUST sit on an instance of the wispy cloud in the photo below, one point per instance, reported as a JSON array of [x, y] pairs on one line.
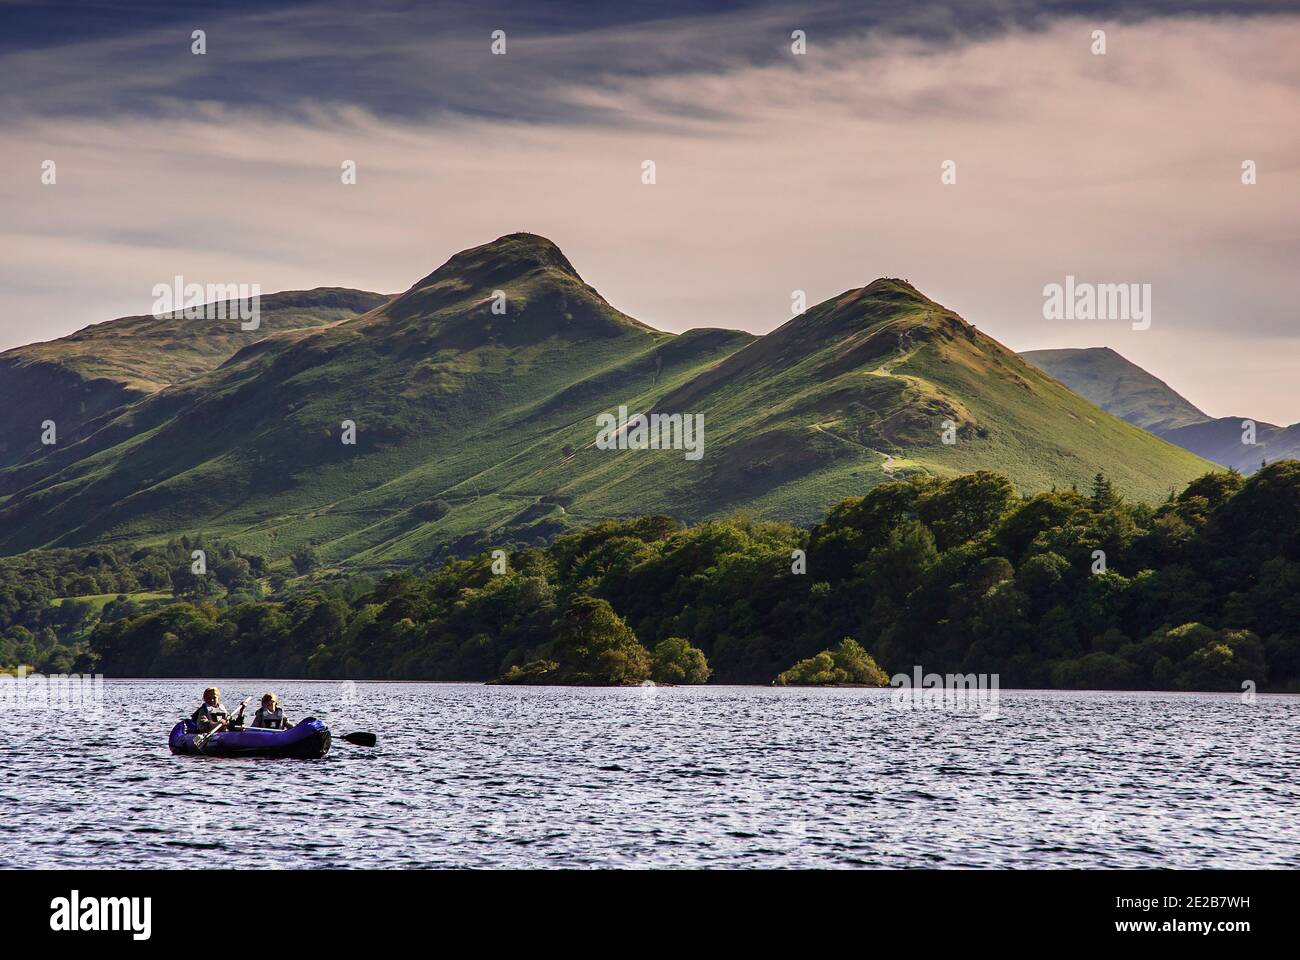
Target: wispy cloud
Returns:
[[776, 172], [426, 60]]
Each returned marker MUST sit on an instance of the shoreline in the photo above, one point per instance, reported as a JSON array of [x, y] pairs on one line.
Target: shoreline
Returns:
[[219, 680]]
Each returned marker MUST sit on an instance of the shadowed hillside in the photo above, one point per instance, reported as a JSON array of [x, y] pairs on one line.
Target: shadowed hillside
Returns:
[[81, 377]]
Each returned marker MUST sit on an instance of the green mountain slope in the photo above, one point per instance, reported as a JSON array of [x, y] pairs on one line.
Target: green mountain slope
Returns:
[[476, 427], [80, 378], [445, 394], [853, 393], [1118, 386]]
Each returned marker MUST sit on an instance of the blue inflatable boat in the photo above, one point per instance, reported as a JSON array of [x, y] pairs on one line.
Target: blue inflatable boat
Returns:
[[309, 740]]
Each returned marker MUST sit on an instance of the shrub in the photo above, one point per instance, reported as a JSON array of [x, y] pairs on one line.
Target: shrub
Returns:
[[304, 561], [534, 672], [676, 661], [847, 663], [429, 510]]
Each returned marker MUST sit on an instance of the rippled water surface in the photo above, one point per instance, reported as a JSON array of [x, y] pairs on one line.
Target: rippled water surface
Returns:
[[475, 776]]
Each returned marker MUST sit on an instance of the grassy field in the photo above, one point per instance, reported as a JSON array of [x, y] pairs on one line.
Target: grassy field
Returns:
[[98, 601]]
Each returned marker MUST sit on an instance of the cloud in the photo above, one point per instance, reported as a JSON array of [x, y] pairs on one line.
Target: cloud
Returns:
[[775, 173], [408, 60]]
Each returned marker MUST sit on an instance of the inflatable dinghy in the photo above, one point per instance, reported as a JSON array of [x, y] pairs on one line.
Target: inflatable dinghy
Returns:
[[309, 740]]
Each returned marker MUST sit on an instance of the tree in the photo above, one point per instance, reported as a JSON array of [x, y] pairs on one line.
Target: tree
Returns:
[[191, 586], [676, 661], [1215, 488], [594, 646], [1233, 657], [304, 561], [120, 608], [1097, 671], [233, 571], [966, 506], [430, 510], [847, 663], [1202, 592], [897, 568], [1104, 496]]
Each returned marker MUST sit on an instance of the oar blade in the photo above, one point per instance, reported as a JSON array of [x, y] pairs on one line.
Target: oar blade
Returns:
[[361, 738]]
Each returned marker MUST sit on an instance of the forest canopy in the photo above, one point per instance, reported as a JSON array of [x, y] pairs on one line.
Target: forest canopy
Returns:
[[1075, 589]]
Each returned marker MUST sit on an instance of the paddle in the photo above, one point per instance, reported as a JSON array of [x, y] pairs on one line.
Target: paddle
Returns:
[[361, 739], [201, 740]]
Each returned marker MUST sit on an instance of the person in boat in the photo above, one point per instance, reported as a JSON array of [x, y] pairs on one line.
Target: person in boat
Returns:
[[270, 715], [211, 714]]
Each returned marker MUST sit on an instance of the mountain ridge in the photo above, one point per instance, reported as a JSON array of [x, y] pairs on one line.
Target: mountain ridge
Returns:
[[492, 414], [104, 366]]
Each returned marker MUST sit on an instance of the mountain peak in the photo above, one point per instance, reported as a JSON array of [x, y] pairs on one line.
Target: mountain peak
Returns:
[[544, 293], [856, 310], [895, 287], [504, 259]]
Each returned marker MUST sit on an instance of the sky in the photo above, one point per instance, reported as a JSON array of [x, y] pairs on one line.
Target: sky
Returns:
[[774, 171]]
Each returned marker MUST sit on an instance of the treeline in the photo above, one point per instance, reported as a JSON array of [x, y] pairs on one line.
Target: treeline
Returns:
[[1061, 589], [50, 600]]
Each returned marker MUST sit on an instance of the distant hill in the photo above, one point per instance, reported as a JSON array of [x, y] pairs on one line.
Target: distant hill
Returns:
[[1126, 390], [475, 394], [1118, 386], [1222, 441], [78, 378]]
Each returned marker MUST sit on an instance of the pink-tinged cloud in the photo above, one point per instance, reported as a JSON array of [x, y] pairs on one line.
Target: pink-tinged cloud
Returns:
[[818, 174]]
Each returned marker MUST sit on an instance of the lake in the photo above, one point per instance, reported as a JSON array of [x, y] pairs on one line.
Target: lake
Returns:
[[467, 775]]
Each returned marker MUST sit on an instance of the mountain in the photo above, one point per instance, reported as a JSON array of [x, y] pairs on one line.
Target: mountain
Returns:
[[475, 395], [81, 377], [1224, 441], [856, 391], [1126, 390], [1118, 386]]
